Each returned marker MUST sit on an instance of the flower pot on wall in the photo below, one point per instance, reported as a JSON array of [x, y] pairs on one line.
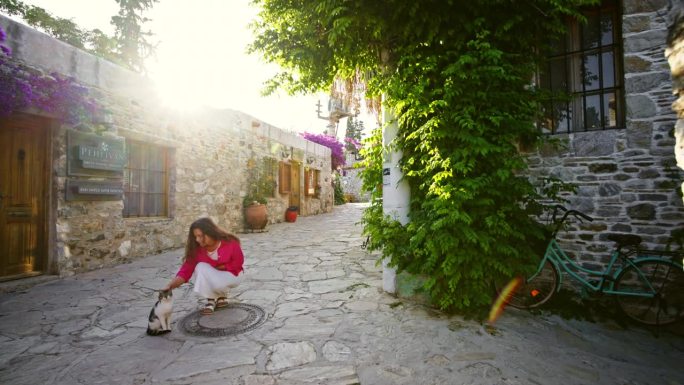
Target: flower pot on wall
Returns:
[[255, 216]]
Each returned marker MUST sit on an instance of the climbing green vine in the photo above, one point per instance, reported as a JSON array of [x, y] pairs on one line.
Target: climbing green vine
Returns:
[[457, 76]]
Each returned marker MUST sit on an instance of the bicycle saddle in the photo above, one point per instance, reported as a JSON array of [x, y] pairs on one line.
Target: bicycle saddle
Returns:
[[625, 239]]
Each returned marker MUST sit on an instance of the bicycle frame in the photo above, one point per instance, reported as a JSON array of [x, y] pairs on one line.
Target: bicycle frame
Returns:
[[562, 262]]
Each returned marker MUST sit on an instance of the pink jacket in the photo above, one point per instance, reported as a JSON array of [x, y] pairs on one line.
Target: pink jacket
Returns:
[[229, 255]]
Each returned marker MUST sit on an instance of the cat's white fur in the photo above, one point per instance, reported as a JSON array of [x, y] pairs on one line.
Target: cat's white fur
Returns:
[[159, 321]]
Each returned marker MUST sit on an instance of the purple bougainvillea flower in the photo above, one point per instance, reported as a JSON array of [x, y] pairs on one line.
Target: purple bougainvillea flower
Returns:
[[353, 142], [3, 35], [53, 93], [336, 148]]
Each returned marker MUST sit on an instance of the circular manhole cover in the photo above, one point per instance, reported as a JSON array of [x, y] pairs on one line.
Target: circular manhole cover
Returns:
[[235, 318]]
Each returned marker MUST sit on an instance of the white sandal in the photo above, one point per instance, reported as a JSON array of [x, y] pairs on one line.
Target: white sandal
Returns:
[[221, 302], [209, 307]]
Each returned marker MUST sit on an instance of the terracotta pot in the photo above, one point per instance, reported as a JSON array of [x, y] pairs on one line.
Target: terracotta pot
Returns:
[[291, 214], [255, 216]]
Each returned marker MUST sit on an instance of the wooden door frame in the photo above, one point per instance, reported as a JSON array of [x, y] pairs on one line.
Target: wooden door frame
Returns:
[[53, 137], [295, 167], [56, 143], [49, 265]]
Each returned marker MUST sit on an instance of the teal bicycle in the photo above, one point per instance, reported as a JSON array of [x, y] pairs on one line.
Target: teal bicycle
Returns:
[[647, 284]]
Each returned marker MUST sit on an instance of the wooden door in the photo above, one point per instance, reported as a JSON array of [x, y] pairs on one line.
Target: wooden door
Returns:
[[295, 189], [23, 177]]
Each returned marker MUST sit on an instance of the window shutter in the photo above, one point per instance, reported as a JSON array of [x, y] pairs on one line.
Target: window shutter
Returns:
[[307, 184], [284, 178], [310, 183], [317, 182]]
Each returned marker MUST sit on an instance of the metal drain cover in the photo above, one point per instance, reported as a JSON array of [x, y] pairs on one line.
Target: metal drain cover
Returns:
[[235, 318]]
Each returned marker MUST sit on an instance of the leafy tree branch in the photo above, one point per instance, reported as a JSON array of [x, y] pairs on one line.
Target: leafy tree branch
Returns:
[[129, 47]]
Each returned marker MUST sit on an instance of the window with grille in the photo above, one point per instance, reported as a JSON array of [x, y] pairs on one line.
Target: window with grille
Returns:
[[585, 75], [284, 178], [145, 180], [311, 182]]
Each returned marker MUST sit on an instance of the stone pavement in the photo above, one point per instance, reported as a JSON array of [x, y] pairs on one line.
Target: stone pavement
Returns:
[[328, 323]]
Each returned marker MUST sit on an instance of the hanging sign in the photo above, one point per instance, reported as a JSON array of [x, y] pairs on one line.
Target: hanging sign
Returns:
[[77, 190], [386, 176], [94, 155]]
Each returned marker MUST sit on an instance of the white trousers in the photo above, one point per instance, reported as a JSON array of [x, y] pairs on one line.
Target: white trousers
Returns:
[[212, 283]]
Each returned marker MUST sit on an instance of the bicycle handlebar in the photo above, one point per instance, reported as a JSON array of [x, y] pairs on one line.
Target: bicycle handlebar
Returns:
[[555, 211], [580, 214], [577, 214]]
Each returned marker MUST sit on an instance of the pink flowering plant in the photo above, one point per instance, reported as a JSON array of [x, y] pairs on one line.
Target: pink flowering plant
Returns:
[[54, 93], [352, 144], [335, 146]]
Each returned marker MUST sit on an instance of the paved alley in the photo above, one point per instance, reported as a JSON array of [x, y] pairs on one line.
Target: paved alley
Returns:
[[328, 322]]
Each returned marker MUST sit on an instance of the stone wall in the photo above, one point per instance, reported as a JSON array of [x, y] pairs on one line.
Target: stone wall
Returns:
[[627, 178], [210, 154], [351, 180], [209, 151]]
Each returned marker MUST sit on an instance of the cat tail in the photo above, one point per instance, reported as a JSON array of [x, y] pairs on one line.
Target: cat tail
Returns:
[[151, 332]]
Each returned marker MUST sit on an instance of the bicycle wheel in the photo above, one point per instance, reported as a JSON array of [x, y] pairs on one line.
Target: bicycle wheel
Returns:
[[667, 282], [535, 290]]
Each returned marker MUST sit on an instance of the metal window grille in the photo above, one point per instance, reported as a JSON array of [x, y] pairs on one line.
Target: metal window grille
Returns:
[[145, 180], [585, 76]]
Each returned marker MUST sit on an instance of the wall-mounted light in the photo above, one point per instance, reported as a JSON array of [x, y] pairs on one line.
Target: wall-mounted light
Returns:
[[105, 118]]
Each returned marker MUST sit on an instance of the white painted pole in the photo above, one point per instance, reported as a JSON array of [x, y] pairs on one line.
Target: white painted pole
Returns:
[[396, 193]]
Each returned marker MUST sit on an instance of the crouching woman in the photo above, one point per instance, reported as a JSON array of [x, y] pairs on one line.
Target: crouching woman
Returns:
[[214, 257]]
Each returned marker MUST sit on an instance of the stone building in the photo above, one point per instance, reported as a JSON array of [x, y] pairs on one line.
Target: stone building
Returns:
[[617, 131], [79, 198]]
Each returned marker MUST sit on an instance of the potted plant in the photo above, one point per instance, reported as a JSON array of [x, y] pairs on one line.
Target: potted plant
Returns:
[[255, 211], [260, 185]]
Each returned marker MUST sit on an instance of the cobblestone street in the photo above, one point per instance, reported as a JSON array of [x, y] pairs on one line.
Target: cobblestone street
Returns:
[[328, 322]]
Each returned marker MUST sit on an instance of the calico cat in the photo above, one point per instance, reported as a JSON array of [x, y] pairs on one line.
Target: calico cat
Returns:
[[159, 321]]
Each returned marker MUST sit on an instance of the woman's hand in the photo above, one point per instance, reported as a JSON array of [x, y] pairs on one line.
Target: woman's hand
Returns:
[[174, 283], [221, 267]]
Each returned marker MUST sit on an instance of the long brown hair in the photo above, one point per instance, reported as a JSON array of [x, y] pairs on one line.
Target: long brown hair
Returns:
[[208, 227]]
